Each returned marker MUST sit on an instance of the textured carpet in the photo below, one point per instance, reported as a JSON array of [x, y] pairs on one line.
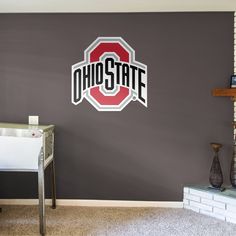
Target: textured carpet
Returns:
[[83, 221]]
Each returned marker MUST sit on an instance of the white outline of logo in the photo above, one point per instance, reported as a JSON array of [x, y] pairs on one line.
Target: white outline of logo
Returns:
[[132, 96]]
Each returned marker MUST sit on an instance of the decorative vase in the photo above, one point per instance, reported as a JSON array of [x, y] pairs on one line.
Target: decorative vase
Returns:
[[233, 169], [216, 176]]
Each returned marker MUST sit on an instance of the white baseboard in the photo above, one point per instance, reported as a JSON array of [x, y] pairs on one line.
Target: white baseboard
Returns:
[[95, 203]]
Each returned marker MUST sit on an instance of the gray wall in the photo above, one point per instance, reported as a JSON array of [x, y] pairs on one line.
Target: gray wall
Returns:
[[139, 153]]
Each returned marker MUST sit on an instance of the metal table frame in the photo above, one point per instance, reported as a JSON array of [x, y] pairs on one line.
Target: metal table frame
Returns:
[[44, 161], [41, 190]]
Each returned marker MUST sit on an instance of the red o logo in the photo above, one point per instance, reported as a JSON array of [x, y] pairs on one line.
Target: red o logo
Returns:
[[109, 60]]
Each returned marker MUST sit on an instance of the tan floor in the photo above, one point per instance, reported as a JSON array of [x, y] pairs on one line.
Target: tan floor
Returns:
[[84, 221]]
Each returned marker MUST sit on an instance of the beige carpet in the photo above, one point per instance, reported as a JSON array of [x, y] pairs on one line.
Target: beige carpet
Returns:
[[84, 221]]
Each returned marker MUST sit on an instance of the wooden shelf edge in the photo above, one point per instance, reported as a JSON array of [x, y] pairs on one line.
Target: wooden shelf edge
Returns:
[[222, 92]]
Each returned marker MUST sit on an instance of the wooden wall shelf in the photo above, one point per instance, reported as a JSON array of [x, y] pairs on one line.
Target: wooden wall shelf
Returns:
[[230, 92]]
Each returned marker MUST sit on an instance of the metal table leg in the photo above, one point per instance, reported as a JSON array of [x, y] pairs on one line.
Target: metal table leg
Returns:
[[41, 194], [53, 184]]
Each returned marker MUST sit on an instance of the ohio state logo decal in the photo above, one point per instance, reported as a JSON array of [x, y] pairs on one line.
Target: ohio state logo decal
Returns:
[[109, 77]]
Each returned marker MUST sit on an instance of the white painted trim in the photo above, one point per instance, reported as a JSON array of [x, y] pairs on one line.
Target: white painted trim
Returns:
[[96, 203], [116, 6]]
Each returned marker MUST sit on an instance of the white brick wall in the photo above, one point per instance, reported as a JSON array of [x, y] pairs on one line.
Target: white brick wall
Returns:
[[231, 208], [218, 216], [191, 197], [200, 193], [210, 203], [231, 220], [191, 208], [219, 211], [213, 203], [201, 206]]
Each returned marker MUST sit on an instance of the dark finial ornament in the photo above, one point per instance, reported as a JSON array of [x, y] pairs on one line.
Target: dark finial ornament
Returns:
[[216, 176]]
